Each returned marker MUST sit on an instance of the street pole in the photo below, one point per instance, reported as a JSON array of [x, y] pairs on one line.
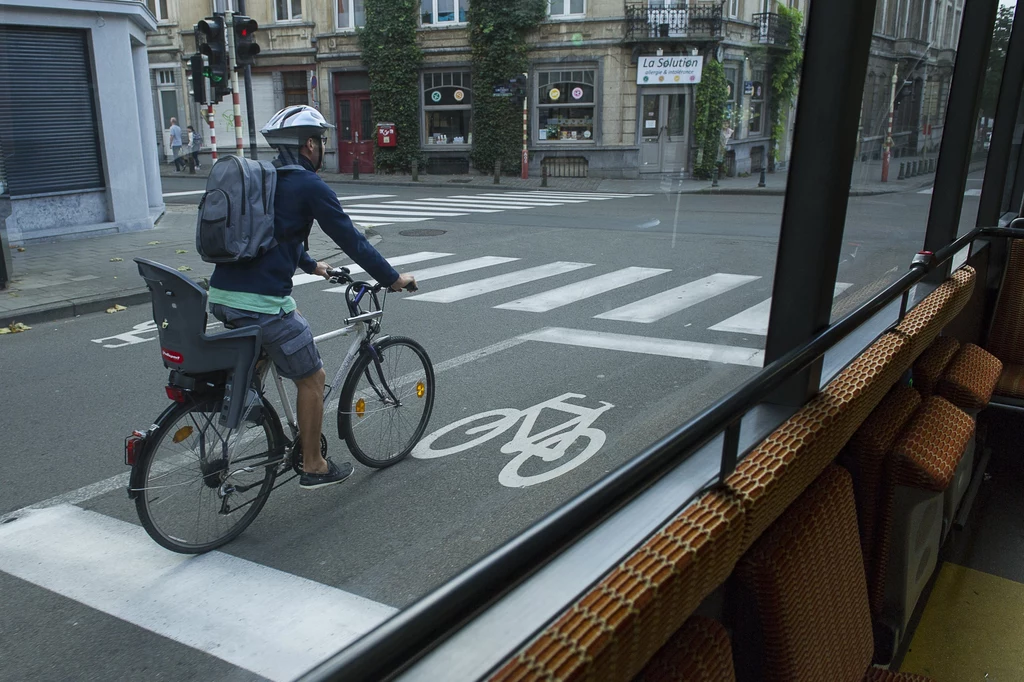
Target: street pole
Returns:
[[236, 105], [213, 132], [249, 111], [887, 143], [526, 156]]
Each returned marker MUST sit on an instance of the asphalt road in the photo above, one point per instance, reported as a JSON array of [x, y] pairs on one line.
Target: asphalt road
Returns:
[[672, 319]]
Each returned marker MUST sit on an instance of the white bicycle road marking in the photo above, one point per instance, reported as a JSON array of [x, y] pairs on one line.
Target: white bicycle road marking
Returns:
[[550, 445]]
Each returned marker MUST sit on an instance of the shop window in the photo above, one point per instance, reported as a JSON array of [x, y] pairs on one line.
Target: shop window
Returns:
[[289, 10], [565, 8], [565, 105], [443, 11], [351, 14], [447, 108], [295, 88], [756, 120], [732, 94]]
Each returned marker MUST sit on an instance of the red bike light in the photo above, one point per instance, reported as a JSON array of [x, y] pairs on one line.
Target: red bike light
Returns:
[[133, 445], [175, 393]]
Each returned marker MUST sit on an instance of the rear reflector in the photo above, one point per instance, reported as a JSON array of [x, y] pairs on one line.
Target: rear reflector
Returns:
[[175, 393], [133, 445]]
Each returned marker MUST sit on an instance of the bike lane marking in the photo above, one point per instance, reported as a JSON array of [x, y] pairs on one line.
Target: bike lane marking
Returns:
[[68, 550]]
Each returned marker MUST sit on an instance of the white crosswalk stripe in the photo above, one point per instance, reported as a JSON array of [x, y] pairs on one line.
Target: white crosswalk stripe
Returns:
[[967, 192], [515, 201], [578, 291], [449, 269], [376, 220], [498, 282], [534, 197], [470, 203], [381, 210], [419, 206], [658, 306], [754, 320]]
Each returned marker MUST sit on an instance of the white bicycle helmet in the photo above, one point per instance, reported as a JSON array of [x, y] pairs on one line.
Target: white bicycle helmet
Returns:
[[293, 125]]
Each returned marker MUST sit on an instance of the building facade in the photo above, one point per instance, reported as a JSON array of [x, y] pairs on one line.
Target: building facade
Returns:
[[77, 151], [591, 111]]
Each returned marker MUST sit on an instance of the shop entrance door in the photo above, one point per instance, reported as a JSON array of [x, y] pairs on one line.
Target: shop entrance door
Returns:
[[664, 130], [355, 130]]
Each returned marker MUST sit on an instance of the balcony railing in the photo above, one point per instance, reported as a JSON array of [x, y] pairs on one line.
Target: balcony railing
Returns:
[[673, 19], [771, 29]]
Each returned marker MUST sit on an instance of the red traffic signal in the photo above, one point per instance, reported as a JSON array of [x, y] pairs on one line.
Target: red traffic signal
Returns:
[[246, 48]]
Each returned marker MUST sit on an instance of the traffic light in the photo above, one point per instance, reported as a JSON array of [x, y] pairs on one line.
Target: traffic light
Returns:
[[212, 42], [245, 39], [518, 88], [198, 79]]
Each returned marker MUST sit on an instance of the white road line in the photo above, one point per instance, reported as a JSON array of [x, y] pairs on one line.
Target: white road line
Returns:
[[379, 209], [475, 204], [754, 320], [371, 219], [402, 208], [184, 194], [967, 192], [577, 291], [556, 197], [352, 197], [450, 269], [531, 198], [672, 348], [498, 282], [303, 278], [440, 207], [515, 201], [654, 308], [585, 195], [114, 567]]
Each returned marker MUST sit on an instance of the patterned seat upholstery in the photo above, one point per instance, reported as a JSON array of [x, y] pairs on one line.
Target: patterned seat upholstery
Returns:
[[699, 652], [783, 465], [883, 675], [933, 361], [806, 575], [615, 629], [929, 449], [970, 378], [1011, 381], [923, 324], [867, 457]]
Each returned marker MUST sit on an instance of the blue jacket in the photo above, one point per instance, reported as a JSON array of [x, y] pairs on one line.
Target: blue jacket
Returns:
[[301, 197]]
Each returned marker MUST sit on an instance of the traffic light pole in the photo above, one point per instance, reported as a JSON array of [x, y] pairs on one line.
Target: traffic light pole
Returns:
[[229, 41], [249, 109]]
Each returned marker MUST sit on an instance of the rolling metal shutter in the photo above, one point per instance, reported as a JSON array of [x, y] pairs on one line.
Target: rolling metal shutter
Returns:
[[48, 131]]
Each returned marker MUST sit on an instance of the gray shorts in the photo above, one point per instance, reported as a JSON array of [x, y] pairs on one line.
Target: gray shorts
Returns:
[[286, 338]]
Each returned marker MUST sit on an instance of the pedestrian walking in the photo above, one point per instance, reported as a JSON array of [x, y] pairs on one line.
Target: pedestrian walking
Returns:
[[195, 144], [175, 132]]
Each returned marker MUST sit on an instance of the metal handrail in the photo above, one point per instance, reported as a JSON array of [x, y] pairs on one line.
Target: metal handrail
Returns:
[[396, 642]]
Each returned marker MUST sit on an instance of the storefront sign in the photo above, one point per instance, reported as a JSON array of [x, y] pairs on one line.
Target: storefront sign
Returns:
[[436, 96], [677, 70], [554, 94], [459, 95], [577, 93]]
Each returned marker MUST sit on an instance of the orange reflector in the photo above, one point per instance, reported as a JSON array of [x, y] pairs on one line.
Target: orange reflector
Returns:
[[182, 433], [420, 389], [360, 407]]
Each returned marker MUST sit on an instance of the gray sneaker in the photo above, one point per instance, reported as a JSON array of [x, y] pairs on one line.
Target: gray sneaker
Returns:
[[336, 473]]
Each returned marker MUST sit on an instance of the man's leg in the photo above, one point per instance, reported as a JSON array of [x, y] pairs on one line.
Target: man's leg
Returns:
[[310, 408]]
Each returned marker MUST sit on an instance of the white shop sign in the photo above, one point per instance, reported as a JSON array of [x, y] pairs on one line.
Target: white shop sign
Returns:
[[669, 70]]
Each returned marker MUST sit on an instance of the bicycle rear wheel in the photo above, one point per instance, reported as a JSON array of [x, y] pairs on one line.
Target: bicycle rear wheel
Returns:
[[380, 432], [198, 485]]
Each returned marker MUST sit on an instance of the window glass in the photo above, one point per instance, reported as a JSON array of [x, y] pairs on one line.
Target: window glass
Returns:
[[351, 13], [565, 105], [289, 10], [443, 11], [757, 95], [447, 107], [295, 87], [565, 7], [158, 8]]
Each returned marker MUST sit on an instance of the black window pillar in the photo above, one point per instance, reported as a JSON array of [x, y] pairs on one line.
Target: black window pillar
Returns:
[[821, 164], [958, 134]]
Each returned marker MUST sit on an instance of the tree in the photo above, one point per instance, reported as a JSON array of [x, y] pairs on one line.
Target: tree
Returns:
[[996, 60]]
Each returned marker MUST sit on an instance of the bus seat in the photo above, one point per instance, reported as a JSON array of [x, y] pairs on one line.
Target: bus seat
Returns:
[[699, 652], [867, 457], [616, 628], [970, 379], [929, 366], [920, 503], [924, 321], [778, 470], [807, 579], [179, 310]]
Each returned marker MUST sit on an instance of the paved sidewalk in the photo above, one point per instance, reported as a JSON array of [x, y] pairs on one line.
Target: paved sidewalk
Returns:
[[74, 277]]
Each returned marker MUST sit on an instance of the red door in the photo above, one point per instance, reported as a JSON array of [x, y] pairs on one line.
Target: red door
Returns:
[[355, 131]]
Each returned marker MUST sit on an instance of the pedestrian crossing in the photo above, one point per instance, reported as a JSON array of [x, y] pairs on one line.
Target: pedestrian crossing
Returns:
[[457, 205], [967, 192], [590, 283]]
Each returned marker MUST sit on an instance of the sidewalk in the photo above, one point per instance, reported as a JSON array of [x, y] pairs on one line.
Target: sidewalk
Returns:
[[74, 277]]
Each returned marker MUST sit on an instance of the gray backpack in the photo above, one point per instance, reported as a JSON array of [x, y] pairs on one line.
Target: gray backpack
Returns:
[[236, 214]]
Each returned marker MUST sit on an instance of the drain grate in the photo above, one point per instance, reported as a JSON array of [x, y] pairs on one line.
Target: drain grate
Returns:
[[421, 232]]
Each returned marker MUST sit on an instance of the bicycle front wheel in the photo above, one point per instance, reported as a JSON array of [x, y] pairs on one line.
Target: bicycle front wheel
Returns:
[[200, 485], [385, 406]]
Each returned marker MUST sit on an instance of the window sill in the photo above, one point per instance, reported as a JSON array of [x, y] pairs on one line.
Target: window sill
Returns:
[[556, 18], [445, 26]]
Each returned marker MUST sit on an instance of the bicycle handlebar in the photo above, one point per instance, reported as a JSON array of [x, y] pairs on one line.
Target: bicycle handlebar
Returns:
[[341, 275]]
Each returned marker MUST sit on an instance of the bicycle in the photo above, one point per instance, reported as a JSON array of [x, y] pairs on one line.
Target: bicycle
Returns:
[[197, 484]]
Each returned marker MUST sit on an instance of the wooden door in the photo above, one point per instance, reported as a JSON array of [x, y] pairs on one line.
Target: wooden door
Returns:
[[355, 131]]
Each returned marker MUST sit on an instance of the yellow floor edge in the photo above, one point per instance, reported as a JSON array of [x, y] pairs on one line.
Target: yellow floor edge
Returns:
[[972, 629]]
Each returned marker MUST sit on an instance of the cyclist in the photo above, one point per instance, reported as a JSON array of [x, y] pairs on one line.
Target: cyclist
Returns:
[[258, 292]]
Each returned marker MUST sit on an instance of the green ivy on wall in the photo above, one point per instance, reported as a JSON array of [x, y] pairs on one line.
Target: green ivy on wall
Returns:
[[711, 96], [786, 67], [497, 38], [393, 60]]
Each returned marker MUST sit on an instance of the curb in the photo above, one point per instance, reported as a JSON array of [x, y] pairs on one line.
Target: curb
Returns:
[[48, 312]]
